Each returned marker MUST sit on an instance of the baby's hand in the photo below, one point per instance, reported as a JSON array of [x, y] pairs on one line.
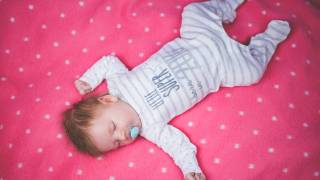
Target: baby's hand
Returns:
[[194, 176], [82, 87]]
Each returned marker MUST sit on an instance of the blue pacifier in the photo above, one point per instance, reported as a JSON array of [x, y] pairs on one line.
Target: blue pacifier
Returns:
[[134, 132]]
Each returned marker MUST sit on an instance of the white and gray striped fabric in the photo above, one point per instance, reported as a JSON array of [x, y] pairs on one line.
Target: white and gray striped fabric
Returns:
[[186, 70]]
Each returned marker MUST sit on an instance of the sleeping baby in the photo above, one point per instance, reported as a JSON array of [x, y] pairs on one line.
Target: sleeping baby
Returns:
[[142, 101]]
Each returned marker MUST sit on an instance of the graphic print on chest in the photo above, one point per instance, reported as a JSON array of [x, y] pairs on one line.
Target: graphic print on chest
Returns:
[[174, 72]]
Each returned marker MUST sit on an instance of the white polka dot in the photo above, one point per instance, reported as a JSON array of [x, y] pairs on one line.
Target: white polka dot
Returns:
[[4, 79], [289, 137], [73, 32], [12, 19], [150, 3], [251, 166], [55, 44], [227, 95], [146, 29], [99, 158], [50, 169], [285, 170], [70, 154], [222, 127], [190, 123], [81, 3], [84, 50], [162, 14], [175, 31], [119, 26], [30, 85], [293, 45], [317, 173], [7, 51], [62, 15], [250, 25], [67, 103], [91, 20], [112, 178], [305, 125], [26, 39], [294, 15], [158, 43], [277, 3], [59, 136], [271, 150], [274, 118], [307, 93], [79, 172], [178, 6], [46, 116], [38, 56], [20, 165], [163, 169], [131, 164], [241, 113], [58, 87], [259, 100], [44, 26], [263, 12], [10, 146], [102, 38], [234, 37], [141, 54], [49, 73], [203, 141], [291, 106], [277, 58], [151, 150], [130, 41], [255, 132], [236, 146], [108, 8], [28, 131], [1, 126], [21, 69], [67, 61], [134, 14], [39, 150], [13, 97], [30, 7], [276, 86], [216, 160], [305, 154], [209, 108], [18, 113]]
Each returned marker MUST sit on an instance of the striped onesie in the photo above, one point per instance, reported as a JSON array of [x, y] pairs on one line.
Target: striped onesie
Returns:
[[186, 70]]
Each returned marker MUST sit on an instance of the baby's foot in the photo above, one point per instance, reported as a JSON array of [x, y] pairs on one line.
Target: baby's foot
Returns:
[[278, 30]]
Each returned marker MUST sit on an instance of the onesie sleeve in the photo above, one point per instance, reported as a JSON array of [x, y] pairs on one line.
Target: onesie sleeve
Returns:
[[106, 67], [177, 145]]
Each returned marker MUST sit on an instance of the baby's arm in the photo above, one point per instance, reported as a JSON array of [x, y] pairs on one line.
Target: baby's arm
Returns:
[[106, 67], [177, 145]]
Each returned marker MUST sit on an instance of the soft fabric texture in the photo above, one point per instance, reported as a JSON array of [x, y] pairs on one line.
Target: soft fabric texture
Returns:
[[184, 71], [269, 130]]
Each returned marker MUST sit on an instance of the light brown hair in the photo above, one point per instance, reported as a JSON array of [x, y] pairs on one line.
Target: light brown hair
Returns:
[[76, 122]]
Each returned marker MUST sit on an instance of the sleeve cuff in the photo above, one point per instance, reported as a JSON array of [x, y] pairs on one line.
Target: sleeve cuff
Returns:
[[190, 164]]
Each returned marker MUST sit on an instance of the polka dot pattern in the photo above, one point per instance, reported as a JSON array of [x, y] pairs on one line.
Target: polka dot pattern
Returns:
[[269, 130]]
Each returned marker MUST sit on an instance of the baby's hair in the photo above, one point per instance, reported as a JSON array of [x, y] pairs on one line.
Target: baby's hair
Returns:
[[78, 119]]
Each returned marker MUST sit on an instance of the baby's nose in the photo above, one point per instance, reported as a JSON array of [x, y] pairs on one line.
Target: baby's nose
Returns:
[[122, 136]]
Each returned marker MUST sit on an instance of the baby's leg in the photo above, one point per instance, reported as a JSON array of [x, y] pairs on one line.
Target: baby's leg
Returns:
[[263, 45], [245, 65]]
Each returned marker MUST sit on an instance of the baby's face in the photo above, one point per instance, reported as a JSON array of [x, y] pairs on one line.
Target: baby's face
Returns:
[[111, 128]]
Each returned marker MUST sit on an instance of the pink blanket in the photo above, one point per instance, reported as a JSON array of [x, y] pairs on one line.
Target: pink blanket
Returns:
[[266, 131]]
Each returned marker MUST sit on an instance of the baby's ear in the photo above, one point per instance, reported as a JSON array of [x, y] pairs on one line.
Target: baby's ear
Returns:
[[105, 99]]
